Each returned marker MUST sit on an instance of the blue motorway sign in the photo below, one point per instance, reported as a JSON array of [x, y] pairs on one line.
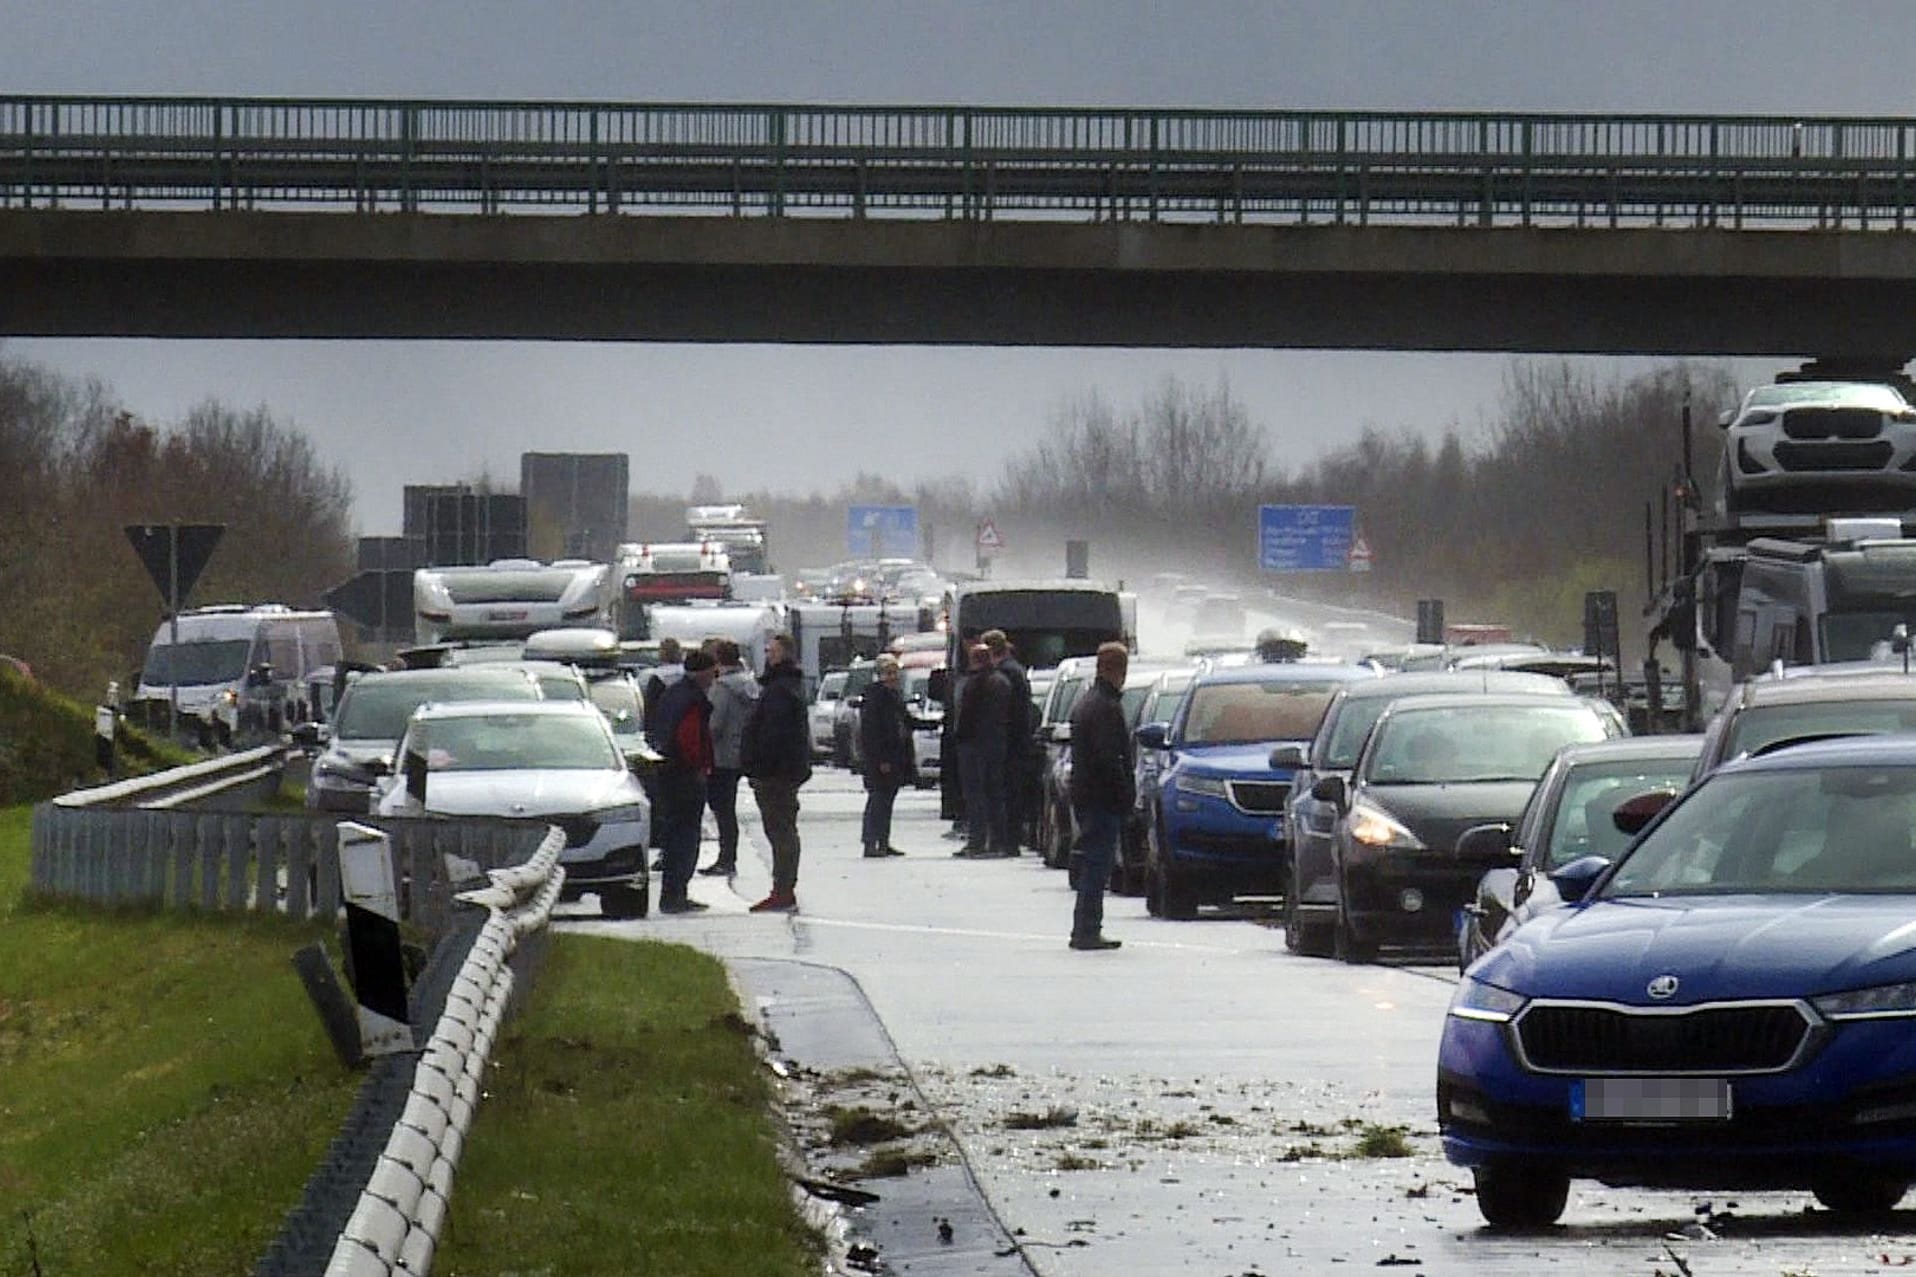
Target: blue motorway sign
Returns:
[[882, 531], [1305, 538]]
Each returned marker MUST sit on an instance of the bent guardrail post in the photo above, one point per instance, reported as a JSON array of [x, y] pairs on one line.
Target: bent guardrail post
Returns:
[[396, 1225]]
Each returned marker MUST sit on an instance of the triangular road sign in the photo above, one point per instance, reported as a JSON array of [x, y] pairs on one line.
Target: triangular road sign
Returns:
[[988, 538], [155, 542], [1360, 554]]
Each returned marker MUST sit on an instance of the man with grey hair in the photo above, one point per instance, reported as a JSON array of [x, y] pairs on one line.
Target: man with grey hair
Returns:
[[884, 741]]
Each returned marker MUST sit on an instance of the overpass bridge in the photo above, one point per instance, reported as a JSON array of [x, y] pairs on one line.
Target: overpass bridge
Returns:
[[1626, 234]]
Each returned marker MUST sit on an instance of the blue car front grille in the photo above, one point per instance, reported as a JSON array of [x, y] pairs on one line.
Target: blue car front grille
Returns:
[[1260, 797], [1719, 1039]]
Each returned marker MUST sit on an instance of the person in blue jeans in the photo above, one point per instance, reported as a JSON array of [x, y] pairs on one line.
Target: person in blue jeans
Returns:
[[1101, 789]]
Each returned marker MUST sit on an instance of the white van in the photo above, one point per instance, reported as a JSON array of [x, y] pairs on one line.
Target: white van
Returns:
[[237, 670]]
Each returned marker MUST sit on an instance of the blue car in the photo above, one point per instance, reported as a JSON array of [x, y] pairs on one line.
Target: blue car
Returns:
[[1731, 1005], [1217, 828]]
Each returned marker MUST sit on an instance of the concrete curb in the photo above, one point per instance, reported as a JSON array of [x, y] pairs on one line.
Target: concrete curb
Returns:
[[816, 1021]]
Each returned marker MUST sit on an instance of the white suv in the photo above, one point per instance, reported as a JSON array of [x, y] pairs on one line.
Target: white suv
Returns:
[[1820, 447]]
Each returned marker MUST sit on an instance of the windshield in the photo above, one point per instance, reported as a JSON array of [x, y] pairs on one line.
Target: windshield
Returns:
[[618, 700], [1134, 698], [1758, 728], [1064, 696], [376, 708], [1846, 394], [1859, 636], [194, 664], [510, 742], [1238, 713], [1477, 743], [1809, 830], [1354, 720], [1582, 824]]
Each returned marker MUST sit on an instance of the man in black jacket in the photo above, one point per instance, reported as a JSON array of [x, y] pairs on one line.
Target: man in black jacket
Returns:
[[776, 756], [1101, 789], [1021, 754], [884, 745], [983, 732]]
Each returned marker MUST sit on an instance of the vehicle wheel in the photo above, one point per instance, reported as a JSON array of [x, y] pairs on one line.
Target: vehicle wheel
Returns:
[[1176, 900], [1520, 1196], [1346, 946], [625, 902], [1861, 1193], [1308, 938]]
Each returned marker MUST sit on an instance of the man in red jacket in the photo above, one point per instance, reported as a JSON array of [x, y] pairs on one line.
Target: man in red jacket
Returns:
[[684, 740]]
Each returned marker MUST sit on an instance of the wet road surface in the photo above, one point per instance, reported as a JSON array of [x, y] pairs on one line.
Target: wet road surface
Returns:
[[1200, 1101]]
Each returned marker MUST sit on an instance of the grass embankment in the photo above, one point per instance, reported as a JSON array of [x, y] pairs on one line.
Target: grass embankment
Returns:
[[626, 1130], [165, 1089], [46, 743]]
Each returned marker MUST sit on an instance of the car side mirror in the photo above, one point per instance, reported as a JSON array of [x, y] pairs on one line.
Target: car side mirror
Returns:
[[414, 767], [1485, 842], [1632, 814], [1154, 735], [938, 685], [307, 735], [1724, 418], [1330, 789], [377, 767], [1288, 757], [1575, 879], [856, 701]]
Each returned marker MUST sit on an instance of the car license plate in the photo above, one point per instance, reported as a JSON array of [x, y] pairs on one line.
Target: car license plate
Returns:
[[1650, 1099], [502, 614]]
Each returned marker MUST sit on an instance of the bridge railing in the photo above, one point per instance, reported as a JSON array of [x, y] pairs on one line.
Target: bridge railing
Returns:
[[951, 161]]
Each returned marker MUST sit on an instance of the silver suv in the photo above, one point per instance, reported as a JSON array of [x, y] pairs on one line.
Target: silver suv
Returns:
[[1819, 447]]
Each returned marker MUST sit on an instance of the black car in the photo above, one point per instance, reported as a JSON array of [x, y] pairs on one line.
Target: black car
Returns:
[[1569, 816], [1310, 904], [1432, 768], [1807, 702]]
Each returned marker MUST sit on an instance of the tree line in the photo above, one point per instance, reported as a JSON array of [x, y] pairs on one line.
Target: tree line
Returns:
[[76, 465]]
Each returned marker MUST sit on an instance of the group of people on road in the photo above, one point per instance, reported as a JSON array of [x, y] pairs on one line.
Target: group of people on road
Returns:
[[713, 723]]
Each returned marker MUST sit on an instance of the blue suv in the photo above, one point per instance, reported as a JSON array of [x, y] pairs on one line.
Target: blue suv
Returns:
[[1730, 1005], [1217, 828]]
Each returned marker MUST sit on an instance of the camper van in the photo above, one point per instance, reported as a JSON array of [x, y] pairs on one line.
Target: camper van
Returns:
[[236, 670], [511, 599]]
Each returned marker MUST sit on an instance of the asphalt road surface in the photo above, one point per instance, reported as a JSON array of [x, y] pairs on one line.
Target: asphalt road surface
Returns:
[[1200, 1101]]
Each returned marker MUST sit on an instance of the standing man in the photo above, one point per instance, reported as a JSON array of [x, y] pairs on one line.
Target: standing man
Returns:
[[884, 738], [982, 733], [733, 696], [685, 743], [776, 755], [668, 671], [1101, 789], [1021, 771]]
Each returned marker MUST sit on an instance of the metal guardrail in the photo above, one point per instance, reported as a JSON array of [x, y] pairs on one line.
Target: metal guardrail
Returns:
[[189, 785], [957, 162], [396, 1224]]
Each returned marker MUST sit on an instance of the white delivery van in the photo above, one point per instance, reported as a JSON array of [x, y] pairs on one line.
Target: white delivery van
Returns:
[[237, 670]]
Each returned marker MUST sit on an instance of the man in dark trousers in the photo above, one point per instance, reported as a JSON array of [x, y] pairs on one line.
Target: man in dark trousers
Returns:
[[685, 743], [1021, 761], [982, 733], [776, 755], [884, 741], [1101, 789], [732, 698]]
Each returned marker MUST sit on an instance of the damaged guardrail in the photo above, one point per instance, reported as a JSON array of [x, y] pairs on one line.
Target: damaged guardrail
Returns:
[[396, 1223], [228, 776]]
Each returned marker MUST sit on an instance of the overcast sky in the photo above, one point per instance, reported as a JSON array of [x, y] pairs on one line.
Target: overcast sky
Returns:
[[395, 413]]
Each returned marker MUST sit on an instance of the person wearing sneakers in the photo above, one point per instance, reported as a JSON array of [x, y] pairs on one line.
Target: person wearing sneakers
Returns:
[[1101, 789], [732, 698], [685, 745], [884, 739], [776, 756]]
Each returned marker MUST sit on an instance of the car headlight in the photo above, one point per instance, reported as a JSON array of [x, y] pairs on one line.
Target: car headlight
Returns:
[[1759, 419], [1882, 1002], [1475, 1000], [624, 813], [338, 771], [1209, 785], [1375, 827]]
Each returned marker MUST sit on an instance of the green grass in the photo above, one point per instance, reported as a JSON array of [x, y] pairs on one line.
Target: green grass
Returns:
[[165, 1089], [625, 1131]]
